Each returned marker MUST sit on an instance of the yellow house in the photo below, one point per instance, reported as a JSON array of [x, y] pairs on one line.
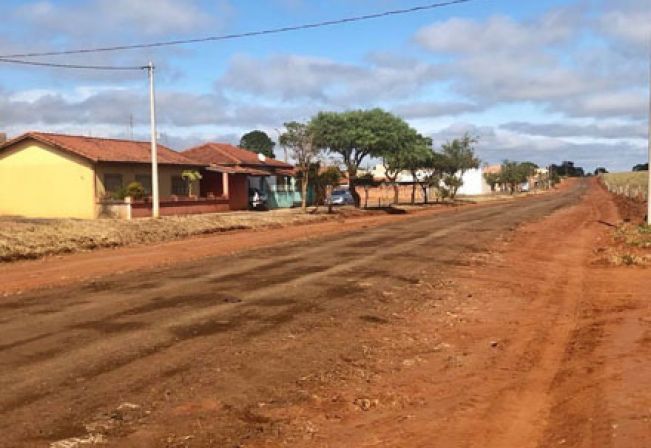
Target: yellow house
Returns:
[[63, 176]]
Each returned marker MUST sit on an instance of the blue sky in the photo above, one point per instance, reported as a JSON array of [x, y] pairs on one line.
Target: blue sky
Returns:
[[542, 81]]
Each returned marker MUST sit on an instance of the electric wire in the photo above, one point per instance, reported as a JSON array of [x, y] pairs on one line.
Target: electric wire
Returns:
[[73, 66], [326, 23]]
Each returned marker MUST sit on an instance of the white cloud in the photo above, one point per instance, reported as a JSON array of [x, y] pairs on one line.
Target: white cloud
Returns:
[[496, 145], [431, 109], [498, 34], [547, 61], [115, 17], [610, 131], [616, 103], [629, 21], [292, 78]]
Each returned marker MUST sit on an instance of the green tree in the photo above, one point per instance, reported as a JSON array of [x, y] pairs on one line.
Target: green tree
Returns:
[[492, 179], [300, 142], [134, 190], [412, 155], [366, 181], [417, 160], [432, 174], [259, 142], [394, 164], [322, 177], [356, 135], [459, 157], [514, 173]]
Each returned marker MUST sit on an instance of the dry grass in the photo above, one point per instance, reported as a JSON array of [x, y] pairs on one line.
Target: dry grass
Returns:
[[634, 236], [632, 246], [638, 179], [32, 238]]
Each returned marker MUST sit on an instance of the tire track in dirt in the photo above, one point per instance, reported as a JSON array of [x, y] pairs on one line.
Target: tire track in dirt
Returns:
[[71, 352], [567, 364]]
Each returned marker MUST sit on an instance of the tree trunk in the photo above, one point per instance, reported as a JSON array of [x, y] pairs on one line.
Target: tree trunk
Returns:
[[413, 193], [366, 196], [426, 199], [306, 177], [352, 187], [396, 193]]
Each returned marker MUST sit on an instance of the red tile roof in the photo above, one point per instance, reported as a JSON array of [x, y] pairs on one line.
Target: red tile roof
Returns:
[[105, 149], [229, 155]]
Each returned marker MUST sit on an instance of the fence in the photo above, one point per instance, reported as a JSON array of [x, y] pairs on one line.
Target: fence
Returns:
[[631, 185], [384, 195], [127, 209]]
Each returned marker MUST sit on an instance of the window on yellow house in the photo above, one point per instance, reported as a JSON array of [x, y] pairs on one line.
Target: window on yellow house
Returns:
[[112, 183], [179, 186]]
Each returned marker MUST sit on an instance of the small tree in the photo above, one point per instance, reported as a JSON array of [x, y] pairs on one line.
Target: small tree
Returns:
[[432, 174], [322, 179], [513, 173], [418, 159], [300, 142], [134, 190], [459, 157], [393, 163], [191, 176], [492, 179], [258, 141], [366, 181]]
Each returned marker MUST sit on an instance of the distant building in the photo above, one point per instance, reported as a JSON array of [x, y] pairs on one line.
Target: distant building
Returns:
[[473, 180]]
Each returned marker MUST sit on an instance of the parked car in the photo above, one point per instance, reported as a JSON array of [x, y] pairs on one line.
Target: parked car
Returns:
[[342, 197], [257, 199]]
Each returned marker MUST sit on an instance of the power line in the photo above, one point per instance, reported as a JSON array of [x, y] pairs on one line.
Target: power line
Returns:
[[72, 66], [286, 29]]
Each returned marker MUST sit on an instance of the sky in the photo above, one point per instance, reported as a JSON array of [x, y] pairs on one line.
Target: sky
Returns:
[[543, 81]]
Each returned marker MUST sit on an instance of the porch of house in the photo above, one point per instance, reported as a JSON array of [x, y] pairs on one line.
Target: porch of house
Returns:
[[218, 192], [281, 191]]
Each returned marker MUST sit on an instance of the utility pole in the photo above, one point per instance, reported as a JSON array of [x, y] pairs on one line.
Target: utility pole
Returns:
[[155, 207], [648, 194]]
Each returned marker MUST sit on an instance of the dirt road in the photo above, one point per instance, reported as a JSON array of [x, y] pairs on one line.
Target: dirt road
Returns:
[[442, 330]]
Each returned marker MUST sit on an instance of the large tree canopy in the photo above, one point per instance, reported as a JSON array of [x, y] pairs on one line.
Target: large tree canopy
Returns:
[[355, 135], [258, 141]]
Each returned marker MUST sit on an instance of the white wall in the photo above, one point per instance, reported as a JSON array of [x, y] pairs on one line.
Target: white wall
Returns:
[[474, 183], [473, 180]]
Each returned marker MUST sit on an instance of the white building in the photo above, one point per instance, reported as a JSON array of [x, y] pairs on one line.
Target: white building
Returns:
[[473, 180]]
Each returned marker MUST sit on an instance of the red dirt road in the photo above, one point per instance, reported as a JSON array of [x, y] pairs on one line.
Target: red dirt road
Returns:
[[487, 327], [57, 270]]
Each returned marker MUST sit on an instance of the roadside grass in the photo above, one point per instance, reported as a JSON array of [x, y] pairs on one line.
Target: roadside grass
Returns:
[[634, 236], [635, 180], [631, 239], [22, 238], [631, 246]]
